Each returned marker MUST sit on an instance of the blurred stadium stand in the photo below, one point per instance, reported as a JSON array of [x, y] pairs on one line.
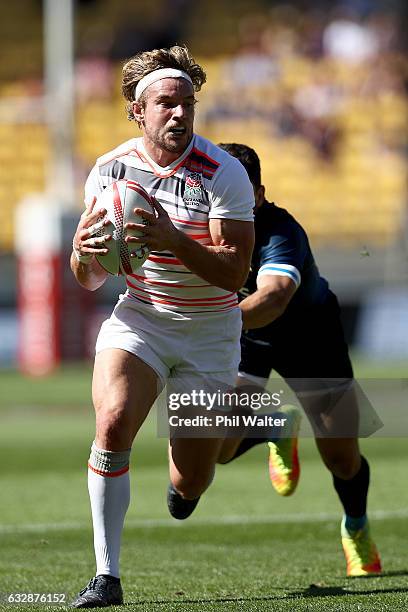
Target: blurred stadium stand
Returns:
[[330, 125]]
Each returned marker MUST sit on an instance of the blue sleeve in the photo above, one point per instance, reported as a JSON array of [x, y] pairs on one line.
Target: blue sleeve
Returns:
[[284, 254]]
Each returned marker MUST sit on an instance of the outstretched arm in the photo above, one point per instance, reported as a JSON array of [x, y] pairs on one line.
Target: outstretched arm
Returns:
[[268, 302]]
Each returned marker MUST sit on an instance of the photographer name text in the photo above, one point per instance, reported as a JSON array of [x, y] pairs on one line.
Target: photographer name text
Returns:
[[227, 421]]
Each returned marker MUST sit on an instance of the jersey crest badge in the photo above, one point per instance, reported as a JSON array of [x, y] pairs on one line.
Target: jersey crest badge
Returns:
[[193, 192]]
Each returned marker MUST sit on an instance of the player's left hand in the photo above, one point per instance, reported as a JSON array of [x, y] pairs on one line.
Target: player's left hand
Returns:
[[159, 234]]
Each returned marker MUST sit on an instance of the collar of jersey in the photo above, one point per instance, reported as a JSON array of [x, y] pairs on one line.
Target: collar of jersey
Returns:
[[163, 172]]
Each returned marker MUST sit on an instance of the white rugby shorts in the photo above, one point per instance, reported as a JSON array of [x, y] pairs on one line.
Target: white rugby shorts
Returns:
[[178, 348]]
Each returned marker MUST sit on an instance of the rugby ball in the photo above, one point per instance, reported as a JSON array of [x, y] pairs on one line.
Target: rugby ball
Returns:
[[120, 199]]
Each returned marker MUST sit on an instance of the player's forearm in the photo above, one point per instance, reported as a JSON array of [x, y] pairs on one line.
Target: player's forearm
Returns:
[[91, 276], [218, 265], [261, 308]]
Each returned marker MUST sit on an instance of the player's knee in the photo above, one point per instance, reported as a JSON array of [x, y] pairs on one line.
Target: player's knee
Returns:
[[193, 485], [342, 466], [225, 455], [223, 459], [113, 427]]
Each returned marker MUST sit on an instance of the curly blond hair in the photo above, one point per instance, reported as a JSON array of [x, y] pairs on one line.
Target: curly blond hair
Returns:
[[147, 61]]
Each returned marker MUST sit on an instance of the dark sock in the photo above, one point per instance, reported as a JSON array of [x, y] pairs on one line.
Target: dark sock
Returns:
[[265, 434], [245, 445], [355, 524], [353, 492], [179, 507]]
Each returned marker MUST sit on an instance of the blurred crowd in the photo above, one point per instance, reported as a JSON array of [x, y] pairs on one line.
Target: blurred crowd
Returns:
[[318, 88], [102, 45], [297, 70]]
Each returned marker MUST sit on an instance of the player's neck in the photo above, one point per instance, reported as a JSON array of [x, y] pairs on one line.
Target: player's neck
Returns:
[[160, 156]]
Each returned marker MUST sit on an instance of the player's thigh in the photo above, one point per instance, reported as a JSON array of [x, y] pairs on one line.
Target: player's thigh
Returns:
[[330, 404], [192, 462], [123, 388]]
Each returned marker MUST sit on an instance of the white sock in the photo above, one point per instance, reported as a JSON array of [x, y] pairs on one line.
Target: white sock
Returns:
[[109, 492]]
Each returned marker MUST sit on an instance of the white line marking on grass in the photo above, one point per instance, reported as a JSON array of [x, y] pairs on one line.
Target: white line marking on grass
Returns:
[[302, 517]]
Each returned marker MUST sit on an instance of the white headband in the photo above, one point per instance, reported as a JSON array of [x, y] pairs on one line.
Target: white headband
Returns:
[[158, 75]]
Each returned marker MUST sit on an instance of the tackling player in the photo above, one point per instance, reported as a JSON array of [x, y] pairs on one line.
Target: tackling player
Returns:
[[292, 324], [179, 319]]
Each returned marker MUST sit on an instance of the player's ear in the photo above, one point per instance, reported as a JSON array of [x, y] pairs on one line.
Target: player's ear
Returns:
[[138, 112], [259, 195]]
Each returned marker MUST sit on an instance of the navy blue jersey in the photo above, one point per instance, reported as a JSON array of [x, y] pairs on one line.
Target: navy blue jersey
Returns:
[[282, 248]]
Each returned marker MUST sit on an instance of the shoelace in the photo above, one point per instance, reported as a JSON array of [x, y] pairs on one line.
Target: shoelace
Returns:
[[91, 586]]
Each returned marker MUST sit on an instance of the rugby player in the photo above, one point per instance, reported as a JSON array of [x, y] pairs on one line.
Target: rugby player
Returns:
[[291, 322], [179, 319]]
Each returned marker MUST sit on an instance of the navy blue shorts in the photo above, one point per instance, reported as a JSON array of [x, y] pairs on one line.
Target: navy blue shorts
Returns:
[[311, 354], [309, 346]]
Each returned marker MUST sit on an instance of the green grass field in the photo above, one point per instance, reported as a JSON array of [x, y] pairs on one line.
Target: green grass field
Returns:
[[244, 549]]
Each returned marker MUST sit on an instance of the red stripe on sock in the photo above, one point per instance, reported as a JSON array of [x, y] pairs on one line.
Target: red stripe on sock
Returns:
[[109, 474]]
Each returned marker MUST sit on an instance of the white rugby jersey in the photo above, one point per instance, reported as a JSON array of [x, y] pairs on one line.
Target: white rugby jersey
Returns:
[[204, 183]]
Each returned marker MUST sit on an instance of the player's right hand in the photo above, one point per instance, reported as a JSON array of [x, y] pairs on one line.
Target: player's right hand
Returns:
[[86, 240]]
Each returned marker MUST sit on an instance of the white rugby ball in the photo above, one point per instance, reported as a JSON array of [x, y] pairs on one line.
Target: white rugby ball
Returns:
[[120, 199]]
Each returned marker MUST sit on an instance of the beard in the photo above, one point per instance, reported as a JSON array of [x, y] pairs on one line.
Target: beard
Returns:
[[168, 141]]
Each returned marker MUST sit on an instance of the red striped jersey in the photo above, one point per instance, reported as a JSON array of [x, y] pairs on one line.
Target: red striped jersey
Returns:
[[204, 183]]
